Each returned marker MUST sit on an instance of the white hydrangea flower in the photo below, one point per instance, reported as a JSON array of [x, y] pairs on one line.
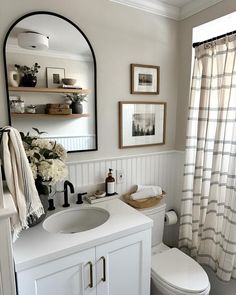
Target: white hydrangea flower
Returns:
[[34, 170], [44, 170], [60, 151], [53, 170], [30, 153], [42, 143], [59, 171]]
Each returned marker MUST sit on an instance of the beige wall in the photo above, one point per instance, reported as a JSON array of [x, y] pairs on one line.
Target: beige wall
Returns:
[[185, 38], [119, 35]]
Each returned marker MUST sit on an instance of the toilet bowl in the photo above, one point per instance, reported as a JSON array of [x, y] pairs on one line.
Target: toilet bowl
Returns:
[[172, 271]]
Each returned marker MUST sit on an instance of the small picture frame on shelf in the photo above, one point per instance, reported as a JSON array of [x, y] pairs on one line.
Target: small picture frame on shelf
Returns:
[[145, 79], [141, 123], [54, 76]]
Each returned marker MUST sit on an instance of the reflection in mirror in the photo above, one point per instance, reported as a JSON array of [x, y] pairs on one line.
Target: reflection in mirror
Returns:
[[51, 80]]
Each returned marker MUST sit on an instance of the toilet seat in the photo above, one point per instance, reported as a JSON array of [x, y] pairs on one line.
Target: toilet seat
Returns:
[[167, 289], [176, 272]]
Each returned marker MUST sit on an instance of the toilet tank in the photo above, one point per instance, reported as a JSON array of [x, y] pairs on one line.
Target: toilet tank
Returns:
[[157, 214]]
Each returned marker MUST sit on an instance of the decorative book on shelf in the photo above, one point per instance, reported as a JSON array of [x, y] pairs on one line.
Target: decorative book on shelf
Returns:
[[58, 109], [70, 87], [57, 106]]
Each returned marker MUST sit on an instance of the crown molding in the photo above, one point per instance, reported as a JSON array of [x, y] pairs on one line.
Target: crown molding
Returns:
[[195, 7], [170, 11], [48, 53], [152, 6]]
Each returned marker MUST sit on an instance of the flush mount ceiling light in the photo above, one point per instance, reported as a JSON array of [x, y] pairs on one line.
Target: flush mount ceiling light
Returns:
[[33, 41]]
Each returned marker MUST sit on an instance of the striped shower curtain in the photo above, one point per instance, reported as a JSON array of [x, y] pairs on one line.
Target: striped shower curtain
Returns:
[[208, 206]]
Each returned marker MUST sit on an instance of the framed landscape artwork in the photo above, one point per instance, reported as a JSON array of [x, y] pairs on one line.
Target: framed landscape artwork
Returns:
[[145, 79], [141, 123]]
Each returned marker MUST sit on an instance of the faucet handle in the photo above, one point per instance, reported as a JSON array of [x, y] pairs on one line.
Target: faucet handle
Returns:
[[79, 198], [51, 205]]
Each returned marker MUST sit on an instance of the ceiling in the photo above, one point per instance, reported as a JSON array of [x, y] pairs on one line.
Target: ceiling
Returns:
[[64, 39], [175, 9]]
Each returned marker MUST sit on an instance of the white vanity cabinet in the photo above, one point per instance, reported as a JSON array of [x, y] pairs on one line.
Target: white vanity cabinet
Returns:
[[119, 267], [70, 275], [123, 266]]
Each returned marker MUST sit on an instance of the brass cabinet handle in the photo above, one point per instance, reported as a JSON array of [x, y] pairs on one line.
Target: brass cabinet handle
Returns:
[[104, 268], [91, 274]]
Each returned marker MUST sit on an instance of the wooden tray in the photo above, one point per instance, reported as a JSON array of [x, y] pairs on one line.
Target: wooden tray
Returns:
[[144, 203], [98, 200]]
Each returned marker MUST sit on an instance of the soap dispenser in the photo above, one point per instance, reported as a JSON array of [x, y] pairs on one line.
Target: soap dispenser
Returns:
[[110, 184]]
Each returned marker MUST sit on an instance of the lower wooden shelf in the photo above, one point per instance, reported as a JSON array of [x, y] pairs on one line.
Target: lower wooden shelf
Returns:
[[29, 115]]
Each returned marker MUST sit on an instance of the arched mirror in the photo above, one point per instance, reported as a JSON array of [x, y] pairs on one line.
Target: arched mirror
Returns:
[[50, 71]]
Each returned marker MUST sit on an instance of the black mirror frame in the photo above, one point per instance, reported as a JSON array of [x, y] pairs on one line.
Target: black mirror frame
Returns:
[[94, 61]]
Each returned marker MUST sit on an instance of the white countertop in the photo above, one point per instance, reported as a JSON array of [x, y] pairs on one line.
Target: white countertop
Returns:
[[36, 245]]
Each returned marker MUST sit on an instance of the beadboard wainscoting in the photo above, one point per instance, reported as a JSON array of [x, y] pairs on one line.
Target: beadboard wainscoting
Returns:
[[70, 143], [161, 168]]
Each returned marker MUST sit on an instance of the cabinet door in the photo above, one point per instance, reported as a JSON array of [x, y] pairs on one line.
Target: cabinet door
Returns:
[[123, 265], [70, 275]]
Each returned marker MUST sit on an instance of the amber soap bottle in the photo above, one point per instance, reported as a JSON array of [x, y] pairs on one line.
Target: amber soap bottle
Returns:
[[110, 184]]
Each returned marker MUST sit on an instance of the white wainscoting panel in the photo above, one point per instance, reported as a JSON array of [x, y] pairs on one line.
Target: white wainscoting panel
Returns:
[[85, 142], [161, 168]]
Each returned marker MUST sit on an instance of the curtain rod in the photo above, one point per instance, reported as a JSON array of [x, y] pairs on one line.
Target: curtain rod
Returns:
[[213, 39]]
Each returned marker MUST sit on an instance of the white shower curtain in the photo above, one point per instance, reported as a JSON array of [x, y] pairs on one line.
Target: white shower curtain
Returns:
[[208, 207]]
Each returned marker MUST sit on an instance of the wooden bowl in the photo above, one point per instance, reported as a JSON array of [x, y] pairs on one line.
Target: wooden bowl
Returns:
[[68, 81]]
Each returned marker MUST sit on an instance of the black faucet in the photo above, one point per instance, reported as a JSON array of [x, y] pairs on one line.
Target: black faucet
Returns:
[[67, 183]]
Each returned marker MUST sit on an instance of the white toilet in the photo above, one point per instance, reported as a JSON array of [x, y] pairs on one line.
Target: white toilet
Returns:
[[173, 272]]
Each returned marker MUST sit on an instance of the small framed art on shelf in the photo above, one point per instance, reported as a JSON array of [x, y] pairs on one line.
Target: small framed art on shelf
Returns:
[[54, 76]]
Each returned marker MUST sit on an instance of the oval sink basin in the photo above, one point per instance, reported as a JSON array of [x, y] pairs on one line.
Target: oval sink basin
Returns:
[[75, 220]]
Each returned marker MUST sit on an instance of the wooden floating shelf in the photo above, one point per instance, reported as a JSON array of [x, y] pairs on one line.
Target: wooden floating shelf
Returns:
[[47, 90], [30, 115]]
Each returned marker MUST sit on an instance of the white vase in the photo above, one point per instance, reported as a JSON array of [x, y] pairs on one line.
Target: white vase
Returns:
[[14, 78]]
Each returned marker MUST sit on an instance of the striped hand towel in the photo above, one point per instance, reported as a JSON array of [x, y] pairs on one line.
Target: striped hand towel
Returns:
[[20, 181]]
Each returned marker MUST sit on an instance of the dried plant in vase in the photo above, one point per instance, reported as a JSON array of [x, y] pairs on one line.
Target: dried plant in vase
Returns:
[[29, 78]]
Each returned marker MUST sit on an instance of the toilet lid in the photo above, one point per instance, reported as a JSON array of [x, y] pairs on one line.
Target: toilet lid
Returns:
[[179, 271]]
